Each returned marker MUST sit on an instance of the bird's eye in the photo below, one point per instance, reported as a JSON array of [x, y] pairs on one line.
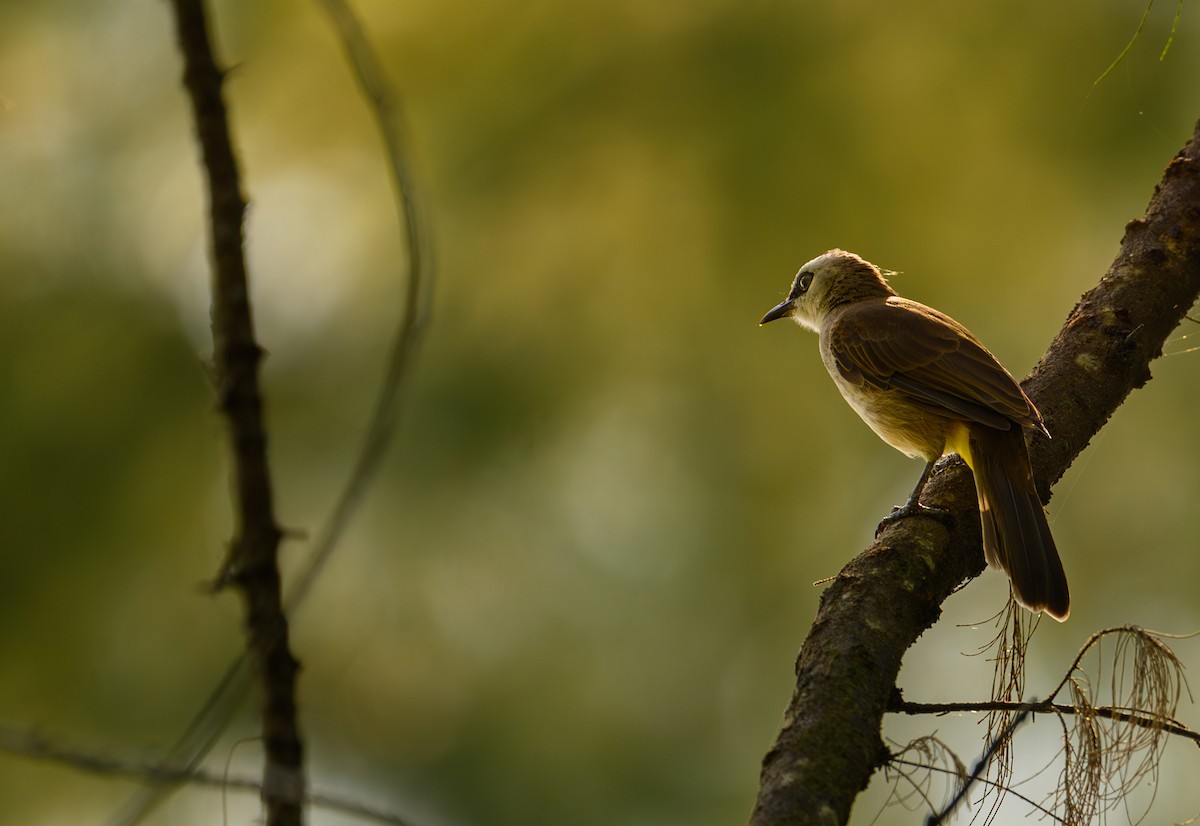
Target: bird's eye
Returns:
[[803, 282]]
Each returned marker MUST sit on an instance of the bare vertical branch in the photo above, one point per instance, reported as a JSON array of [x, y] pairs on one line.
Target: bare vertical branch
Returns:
[[418, 272], [251, 566]]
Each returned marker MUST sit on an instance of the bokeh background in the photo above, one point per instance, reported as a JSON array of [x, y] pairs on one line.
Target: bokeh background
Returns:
[[574, 593]]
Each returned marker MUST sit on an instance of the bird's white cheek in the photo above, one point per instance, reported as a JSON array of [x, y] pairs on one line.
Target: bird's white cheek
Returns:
[[804, 316]]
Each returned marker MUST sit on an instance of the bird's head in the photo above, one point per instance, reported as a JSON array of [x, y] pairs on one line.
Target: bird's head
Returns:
[[837, 277]]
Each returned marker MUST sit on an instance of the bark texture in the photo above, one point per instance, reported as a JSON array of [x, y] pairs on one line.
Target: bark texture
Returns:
[[251, 566], [885, 598]]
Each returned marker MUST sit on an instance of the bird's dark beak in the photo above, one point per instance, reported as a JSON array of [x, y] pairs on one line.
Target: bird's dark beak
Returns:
[[777, 312]]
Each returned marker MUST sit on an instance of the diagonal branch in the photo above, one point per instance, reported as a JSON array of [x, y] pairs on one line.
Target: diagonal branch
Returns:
[[998, 744], [251, 566], [885, 598]]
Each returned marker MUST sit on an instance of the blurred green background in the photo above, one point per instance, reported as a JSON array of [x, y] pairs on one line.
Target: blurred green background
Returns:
[[574, 594]]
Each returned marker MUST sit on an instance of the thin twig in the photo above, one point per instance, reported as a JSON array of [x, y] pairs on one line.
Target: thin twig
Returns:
[[36, 745], [1128, 46], [384, 101], [252, 565], [983, 781], [999, 742], [1134, 717]]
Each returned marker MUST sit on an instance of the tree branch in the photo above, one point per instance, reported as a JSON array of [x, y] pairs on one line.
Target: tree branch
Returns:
[[251, 565], [885, 598], [1133, 716], [418, 274], [35, 745]]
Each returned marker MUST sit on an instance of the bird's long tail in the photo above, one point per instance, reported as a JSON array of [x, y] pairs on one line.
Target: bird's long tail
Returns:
[[1016, 537]]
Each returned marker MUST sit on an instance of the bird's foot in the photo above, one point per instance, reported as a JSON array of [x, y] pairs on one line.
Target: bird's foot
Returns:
[[914, 508]]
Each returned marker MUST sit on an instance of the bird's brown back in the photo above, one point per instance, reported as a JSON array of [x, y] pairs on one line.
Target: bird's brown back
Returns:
[[928, 359]]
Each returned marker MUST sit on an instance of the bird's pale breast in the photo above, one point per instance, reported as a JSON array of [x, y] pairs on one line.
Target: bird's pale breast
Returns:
[[914, 430]]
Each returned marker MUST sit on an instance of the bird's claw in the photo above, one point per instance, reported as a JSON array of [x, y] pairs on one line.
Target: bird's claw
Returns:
[[914, 508]]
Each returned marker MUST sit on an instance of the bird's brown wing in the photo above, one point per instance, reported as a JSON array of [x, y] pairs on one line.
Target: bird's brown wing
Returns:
[[900, 345]]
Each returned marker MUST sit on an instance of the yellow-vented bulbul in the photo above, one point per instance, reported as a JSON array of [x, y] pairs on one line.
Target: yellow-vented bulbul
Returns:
[[928, 387]]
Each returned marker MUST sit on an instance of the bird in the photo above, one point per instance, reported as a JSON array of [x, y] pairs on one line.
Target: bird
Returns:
[[928, 387]]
